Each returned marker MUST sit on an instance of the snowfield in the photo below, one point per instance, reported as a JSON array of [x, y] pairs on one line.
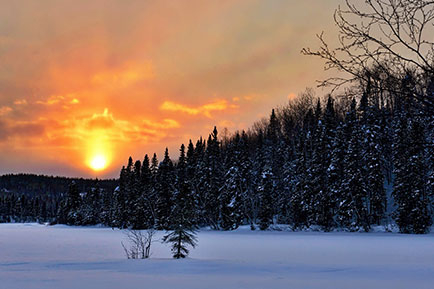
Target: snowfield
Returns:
[[61, 257]]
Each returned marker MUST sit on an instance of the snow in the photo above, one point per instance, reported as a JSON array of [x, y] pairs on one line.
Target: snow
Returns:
[[37, 256]]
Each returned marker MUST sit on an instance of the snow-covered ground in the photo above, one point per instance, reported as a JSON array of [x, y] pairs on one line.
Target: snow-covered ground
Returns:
[[36, 256]]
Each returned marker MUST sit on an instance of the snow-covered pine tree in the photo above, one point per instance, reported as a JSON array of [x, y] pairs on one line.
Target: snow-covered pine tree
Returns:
[[270, 185], [231, 196], [165, 189], [71, 207], [252, 202], [191, 178], [266, 213], [372, 159], [325, 202], [335, 173], [352, 209], [183, 233], [212, 180], [300, 205], [410, 186], [91, 206], [288, 176], [120, 217], [135, 204], [147, 198]]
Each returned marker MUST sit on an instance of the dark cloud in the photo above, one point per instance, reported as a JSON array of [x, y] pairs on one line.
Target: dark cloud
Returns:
[[10, 130]]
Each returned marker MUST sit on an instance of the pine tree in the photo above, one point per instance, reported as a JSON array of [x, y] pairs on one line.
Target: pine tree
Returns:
[[409, 190], [212, 180], [71, 206], [352, 208], [335, 173], [120, 214], [165, 187], [265, 214], [183, 214], [180, 238], [252, 202], [147, 200], [299, 202], [372, 160]]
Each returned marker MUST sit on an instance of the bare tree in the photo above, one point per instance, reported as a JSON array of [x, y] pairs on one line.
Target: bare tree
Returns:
[[391, 36], [140, 243]]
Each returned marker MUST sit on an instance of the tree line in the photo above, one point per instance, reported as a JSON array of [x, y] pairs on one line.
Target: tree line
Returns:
[[36, 198], [346, 163]]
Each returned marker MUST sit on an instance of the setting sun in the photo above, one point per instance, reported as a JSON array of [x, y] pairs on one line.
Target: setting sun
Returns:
[[98, 163]]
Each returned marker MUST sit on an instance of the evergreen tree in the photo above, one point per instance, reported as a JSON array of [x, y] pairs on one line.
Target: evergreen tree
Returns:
[[372, 160], [180, 238], [165, 188], [265, 214], [183, 214], [146, 209], [212, 180], [69, 212], [413, 214], [231, 196]]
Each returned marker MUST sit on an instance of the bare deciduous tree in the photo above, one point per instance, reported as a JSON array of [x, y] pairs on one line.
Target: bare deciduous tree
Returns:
[[140, 243], [391, 36]]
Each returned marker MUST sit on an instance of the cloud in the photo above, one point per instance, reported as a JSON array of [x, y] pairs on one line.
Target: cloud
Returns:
[[20, 102], [165, 124], [101, 121], [206, 109], [5, 110], [9, 129], [54, 99]]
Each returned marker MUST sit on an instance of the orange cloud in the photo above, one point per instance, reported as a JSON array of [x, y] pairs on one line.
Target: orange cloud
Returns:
[[165, 124], [5, 110], [20, 102], [101, 121], [9, 130], [56, 100], [206, 109]]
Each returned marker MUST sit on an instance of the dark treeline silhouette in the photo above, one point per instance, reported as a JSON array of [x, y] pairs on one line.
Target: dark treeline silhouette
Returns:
[[345, 163], [36, 198]]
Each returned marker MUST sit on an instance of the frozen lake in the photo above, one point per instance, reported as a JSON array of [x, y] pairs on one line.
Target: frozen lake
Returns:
[[37, 256]]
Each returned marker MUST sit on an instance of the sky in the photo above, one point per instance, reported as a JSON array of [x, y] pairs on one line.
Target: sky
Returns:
[[86, 84]]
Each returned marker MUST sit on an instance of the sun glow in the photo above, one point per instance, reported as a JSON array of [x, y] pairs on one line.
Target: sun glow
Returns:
[[99, 150], [98, 163]]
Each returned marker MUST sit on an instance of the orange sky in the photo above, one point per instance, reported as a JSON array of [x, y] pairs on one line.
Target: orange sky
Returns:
[[79, 79]]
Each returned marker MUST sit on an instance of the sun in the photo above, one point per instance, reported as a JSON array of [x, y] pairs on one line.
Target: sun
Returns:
[[98, 162]]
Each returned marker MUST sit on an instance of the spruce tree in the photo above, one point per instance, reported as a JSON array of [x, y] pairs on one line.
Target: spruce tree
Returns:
[[165, 186], [183, 233], [212, 179], [409, 190], [72, 205], [372, 159]]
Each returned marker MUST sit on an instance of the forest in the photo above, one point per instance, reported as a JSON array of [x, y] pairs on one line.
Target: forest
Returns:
[[358, 157], [36, 198]]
